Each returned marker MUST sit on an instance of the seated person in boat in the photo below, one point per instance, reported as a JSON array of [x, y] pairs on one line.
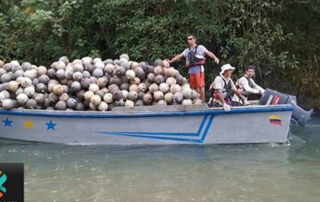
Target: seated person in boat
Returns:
[[247, 87], [222, 88]]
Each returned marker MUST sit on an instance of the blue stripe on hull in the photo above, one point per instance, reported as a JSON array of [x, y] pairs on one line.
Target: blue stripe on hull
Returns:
[[200, 135]]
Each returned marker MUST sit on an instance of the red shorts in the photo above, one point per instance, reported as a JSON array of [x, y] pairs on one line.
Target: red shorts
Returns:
[[197, 80]]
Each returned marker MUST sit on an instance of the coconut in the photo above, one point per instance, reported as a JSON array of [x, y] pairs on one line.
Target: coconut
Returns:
[[29, 91], [175, 88], [151, 77], [53, 98], [168, 97], [164, 87], [158, 95], [134, 65], [162, 102], [1, 63], [31, 104], [79, 106], [86, 61], [130, 74], [93, 107], [139, 72], [153, 88], [140, 95], [113, 87], [39, 98], [115, 80], [197, 101], [171, 81], [186, 93], [64, 59], [44, 79], [85, 83], [51, 73], [87, 95], [4, 86], [125, 86], [13, 86], [170, 72], [7, 104], [119, 103], [120, 71], [142, 87], [60, 65], [35, 81], [3, 71], [58, 89], [129, 103], [22, 98], [41, 70], [117, 95], [4, 95], [138, 103], [125, 64], [109, 68], [97, 73], [194, 94], [134, 87], [69, 74], [80, 94], [61, 105], [108, 98], [124, 94], [124, 56], [25, 65], [64, 97], [19, 91], [178, 97], [93, 87], [187, 102], [93, 80], [86, 74], [16, 74], [158, 70], [5, 78], [144, 66], [102, 82], [41, 88], [158, 62], [99, 65], [133, 96], [90, 69], [166, 64], [95, 100], [159, 79], [103, 106], [78, 68], [136, 81], [77, 76], [60, 73], [75, 87]]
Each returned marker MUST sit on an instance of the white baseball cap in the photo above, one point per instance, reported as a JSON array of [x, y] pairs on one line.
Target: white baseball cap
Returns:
[[226, 67]]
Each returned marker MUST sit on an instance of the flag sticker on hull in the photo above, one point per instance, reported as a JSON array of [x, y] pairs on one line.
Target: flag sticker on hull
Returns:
[[276, 120]]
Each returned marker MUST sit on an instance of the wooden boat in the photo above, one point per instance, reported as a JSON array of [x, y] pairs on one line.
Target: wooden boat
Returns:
[[195, 124]]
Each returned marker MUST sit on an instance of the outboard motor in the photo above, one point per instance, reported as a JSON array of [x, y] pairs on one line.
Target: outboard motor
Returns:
[[272, 97]]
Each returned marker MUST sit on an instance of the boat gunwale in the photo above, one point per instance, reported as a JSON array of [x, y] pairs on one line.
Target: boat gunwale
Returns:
[[127, 114]]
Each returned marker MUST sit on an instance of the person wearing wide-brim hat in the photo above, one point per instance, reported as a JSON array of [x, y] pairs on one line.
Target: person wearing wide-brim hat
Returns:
[[222, 87]]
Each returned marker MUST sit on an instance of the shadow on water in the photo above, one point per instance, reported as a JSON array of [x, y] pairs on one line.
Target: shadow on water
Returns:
[[266, 172]]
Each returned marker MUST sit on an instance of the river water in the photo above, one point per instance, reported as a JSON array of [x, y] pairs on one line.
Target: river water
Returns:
[[172, 173]]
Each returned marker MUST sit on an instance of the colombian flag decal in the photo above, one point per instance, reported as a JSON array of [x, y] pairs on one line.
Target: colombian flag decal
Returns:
[[276, 120]]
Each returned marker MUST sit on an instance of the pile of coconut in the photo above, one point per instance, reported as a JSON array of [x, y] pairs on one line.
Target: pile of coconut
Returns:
[[92, 84]]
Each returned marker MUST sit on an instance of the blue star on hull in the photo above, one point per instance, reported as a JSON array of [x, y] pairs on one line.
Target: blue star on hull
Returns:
[[51, 125], [7, 122]]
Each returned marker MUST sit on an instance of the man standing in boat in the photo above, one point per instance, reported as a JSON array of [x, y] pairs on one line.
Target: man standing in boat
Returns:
[[222, 88], [247, 86], [194, 62]]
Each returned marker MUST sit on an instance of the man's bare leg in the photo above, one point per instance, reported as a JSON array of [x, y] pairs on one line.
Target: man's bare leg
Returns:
[[202, 94]]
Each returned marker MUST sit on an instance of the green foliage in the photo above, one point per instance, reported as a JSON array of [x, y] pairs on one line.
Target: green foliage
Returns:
[[279, 37]]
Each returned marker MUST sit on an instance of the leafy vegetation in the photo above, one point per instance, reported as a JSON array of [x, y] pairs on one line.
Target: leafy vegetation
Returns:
[[279, 37]]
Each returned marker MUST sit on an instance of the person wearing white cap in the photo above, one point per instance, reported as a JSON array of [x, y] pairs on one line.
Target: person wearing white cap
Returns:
[[222, 87], [194, 62], [247, 86]]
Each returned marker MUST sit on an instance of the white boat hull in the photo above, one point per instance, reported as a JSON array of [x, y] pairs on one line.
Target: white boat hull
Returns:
[[258, 124]]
